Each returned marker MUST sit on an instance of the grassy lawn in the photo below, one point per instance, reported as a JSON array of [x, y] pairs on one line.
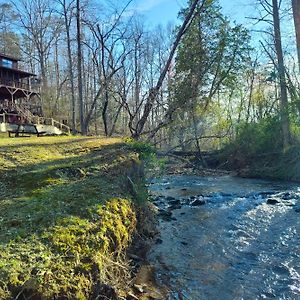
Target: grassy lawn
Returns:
[[66, 216]]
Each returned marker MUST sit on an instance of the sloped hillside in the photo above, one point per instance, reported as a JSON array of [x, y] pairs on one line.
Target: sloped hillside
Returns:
[[67, 216]]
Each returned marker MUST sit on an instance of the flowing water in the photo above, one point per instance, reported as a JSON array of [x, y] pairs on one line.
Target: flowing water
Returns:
[[227, 238]]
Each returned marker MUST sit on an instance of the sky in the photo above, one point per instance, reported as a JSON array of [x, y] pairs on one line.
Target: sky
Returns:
[[159, 11], [165, 11]]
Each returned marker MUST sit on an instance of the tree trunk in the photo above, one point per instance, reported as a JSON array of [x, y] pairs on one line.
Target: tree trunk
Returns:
[[79, 66], [282, 80], [153, 93], [296, 15], [70, 68]]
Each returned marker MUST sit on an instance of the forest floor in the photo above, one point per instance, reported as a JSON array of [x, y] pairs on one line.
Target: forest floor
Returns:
[[69, 208]]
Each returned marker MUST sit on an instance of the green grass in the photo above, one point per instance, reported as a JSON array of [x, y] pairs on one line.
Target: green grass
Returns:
[[66, 216]]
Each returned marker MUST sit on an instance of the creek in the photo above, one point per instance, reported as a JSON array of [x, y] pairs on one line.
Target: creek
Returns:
[[227, 238]]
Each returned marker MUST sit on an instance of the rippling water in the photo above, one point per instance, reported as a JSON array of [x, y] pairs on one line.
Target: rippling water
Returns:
[[236, 246]]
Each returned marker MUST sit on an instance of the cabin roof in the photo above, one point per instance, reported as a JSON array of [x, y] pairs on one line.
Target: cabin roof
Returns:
[[21, 73], [9, 57]]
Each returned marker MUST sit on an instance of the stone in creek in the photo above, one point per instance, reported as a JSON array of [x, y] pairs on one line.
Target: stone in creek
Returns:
[[197, 202], [297, 210], [165, 215], [175, 206], [174, 201], [287, 196], [168, 188], [272, 201], [289, 204], [184, 189], [163, 212], [184, 243], [170, 198], [158, 241]]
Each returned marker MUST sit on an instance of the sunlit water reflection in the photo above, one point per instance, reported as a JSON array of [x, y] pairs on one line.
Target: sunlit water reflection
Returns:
[[236, 246]]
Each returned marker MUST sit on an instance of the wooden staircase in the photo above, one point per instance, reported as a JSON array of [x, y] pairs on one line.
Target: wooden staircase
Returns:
[[49, 125]]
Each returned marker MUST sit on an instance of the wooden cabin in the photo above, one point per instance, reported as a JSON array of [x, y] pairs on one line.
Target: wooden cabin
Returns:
[[20, 100], [19, 90]]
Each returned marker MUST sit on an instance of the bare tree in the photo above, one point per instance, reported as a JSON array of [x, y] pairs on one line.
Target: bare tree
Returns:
[[83, 127], [67, 10], [272, 17], [153, 92], [41, 28], [281, 71], [296, 16]]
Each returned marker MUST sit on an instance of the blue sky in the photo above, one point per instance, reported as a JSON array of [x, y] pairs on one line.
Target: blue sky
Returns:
[[164, 11], [159, 11]]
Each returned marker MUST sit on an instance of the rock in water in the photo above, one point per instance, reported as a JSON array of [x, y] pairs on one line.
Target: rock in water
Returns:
[[175, 206], [287, 196], [272, 201], [197, 202], [163, 212], [174, 202], [165, 215], [158, 241]]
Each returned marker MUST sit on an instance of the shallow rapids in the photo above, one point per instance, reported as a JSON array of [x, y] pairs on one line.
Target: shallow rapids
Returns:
[[227, 238]]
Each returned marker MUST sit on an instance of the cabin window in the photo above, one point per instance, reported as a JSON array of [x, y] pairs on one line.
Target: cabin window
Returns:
[[7, 63]]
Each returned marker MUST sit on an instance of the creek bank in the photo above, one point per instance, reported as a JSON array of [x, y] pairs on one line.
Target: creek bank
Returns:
[[70, 208], [278, 165]]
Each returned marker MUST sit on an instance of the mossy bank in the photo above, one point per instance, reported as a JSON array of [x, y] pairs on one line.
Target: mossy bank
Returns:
[[68, 214]]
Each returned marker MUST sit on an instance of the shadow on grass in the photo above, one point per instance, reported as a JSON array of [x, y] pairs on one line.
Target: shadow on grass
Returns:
[[75, 155], [35, 197], [57, 238], [55, 141]]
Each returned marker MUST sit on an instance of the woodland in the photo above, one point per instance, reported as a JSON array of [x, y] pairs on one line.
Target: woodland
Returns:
[[76, 221], [207, 83]]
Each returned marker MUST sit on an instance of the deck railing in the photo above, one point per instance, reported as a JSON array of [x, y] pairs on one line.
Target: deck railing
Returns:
[[17, 119], [19, 84], [50, 121]]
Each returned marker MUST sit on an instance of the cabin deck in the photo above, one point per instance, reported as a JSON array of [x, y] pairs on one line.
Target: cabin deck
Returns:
[[9, 122], [25, 130], [20, 102]]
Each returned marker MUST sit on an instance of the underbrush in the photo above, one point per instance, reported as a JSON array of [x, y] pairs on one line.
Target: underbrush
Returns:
[[254, 139], [68, 214], [155, 165], [257, 151]]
